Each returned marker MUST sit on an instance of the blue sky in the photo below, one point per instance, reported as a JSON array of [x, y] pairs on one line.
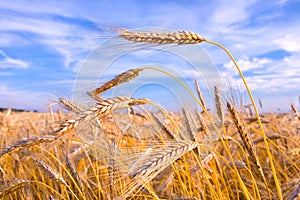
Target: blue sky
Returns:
[[44, 43]]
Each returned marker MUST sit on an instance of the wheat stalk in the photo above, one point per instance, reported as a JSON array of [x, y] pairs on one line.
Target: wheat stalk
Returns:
[[101, 109], [178, 37], [27, 143], [119, 79]]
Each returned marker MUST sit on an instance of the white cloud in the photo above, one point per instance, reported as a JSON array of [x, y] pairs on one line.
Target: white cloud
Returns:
[[268, 75], [7, 62], [289, 42], [247, 64], [228, 13]]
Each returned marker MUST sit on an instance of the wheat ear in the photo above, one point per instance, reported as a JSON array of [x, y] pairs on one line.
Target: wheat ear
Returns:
[[219, 106], [188, 126], [101, 109], [295, 110], [53, 174], [70, 106], [158, 159], [12, 187], [246, 140], [178, 37], [119, 79], [242, 132], [201, 98], [170, 134], [28, 143]]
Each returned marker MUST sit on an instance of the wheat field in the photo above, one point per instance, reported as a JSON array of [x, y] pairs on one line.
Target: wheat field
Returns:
[[118, 149]]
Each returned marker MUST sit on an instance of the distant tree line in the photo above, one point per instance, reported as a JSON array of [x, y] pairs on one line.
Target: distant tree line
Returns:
[[16, 110]]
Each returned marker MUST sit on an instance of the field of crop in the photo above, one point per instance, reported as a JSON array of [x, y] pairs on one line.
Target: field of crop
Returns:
[[118, 149]]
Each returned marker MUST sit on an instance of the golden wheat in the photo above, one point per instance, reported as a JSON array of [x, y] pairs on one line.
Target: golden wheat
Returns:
[[201, 98], [179, 37], [12, 187], [69, 105], [27, 143], [159, 159], [52, 173], [101, 109], [119, 79]]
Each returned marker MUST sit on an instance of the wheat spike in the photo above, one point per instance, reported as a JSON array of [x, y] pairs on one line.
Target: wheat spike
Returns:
[[158, 159], [53, 174], [101, 109], [246, 140], [119, 79], [70, 106], [27, 143], [178, 37], [219, 106], [186, 122], [170, 134], [201, 98], [71, 167], [12, 187], [242, 132]]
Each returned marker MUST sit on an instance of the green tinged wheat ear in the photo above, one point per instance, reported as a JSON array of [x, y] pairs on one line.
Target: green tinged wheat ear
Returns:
[[27, 143], [179, 37]]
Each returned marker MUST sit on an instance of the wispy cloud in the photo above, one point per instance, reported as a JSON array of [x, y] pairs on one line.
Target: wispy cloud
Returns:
[[8, 62]]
